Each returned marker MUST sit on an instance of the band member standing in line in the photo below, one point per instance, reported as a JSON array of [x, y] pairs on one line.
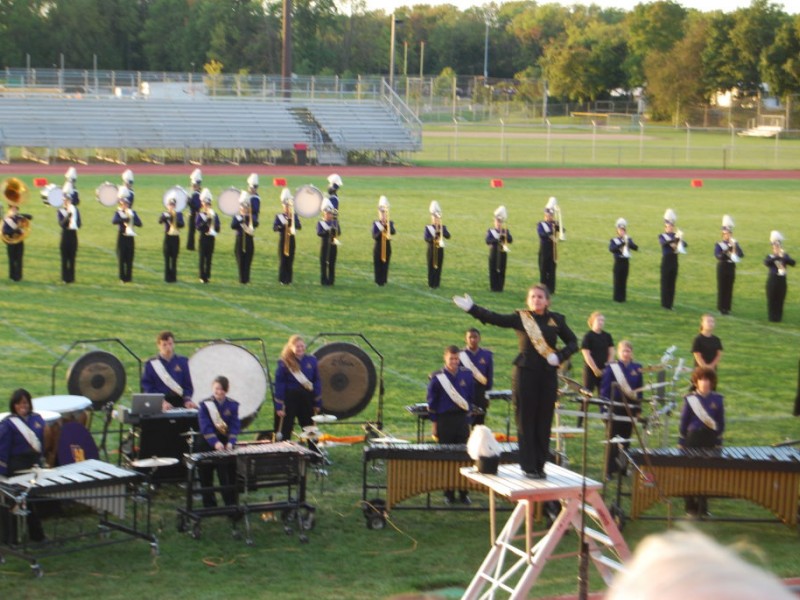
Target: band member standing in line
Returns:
[[480, 362], [14, 228], [21, 448], [172, 221], [127, 183], [218, 420], [435, 234], [535, 376], [286, 224], [727, 252], [195, 204], [548, 231], [254, 198], [207, 224], [125, 218], [597, 348], [382, 232], [672, 244], [298, 388], [450, 391], [328, 230], [69, 219], [621, 247], [334, 183], [71, 177], [498, 238], [621, 384], [168, 374], [776, 261], [706, 347], [244, 224]]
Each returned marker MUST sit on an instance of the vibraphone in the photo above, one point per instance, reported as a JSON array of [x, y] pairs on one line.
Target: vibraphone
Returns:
[[420, 410], [414, 469], [107, 489], [764, 475], [259, 465]]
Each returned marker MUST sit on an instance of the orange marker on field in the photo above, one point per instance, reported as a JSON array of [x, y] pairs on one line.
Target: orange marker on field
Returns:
[[279, 182], [496, 183], [697, 183]]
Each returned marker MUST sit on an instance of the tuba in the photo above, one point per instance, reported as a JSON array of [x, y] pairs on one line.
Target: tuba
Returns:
[[16, 193]]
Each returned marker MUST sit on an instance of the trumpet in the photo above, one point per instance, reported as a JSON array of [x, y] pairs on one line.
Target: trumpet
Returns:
[[626, 253], [562, 236], [732, 251], [681, 248], [128, 214]]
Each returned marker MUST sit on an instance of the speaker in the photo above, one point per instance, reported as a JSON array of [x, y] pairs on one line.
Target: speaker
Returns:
[[161, 436]]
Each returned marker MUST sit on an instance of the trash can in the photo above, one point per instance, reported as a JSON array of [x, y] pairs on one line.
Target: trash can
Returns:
[[301, 154]]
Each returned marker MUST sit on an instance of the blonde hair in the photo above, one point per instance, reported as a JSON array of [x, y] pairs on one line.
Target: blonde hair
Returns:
[[592, 317], [287, 354]]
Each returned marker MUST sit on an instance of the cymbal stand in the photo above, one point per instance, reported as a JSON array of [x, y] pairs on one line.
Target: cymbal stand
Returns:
[[108, 409], [583, 557]]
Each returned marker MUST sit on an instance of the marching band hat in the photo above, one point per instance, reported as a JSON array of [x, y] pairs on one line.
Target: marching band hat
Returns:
[[383, 203], [334, 180], [71, 174], [124, 193], [252, 181], [551, 205], [196, 176], [244, 204], [244, 197], [286, 195], [68, 189], [127, 176], [205, 196], [327, 206], [435, 209], [622, 223], [670, 216], [727, 223], [501, 213], [775, 237]]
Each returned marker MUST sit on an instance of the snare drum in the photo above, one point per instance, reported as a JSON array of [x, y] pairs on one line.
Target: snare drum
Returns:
[[228, 201], [106, 194], [71, 408]]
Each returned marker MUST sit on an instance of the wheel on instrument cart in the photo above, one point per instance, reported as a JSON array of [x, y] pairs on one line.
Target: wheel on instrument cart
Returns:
[[37, 570], [618, 515], [289, 516], [181, 524], [375, 513], [309, 520], [154, 549], [196, 531]]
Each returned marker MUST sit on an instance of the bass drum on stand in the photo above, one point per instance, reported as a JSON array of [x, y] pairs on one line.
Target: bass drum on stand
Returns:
[[348, 378], [99, 376], [247, 377]]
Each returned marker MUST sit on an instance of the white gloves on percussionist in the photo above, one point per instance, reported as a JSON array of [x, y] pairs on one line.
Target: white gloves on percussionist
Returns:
[[552, 359], [463, 302]]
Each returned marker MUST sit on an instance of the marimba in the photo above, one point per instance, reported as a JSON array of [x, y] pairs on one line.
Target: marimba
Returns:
[[764, 475], [420, 411]]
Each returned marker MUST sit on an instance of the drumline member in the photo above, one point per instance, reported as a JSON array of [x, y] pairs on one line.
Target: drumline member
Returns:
[[218, 420], [621, 384], [13, 230], [480, 362], [334, 183], [172, 221], [727, 252], [286, 224], [298, 387], [71, 177], [450, 392], [195, 204], [208, 226], [329, 231], [776, 261], [672, 244], [125, 218], [548, 231], [255, 199], [621, 247], [382, 232], [434, 236], [127, 182], [706, 347], [535, 376], [168, 374], [69, 220], [244, 224], [498, 238], [21, 448]]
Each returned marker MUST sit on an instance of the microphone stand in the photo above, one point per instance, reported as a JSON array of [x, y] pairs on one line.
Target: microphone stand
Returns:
[[583, 556]]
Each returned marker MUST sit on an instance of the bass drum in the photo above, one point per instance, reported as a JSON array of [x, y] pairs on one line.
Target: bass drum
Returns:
[[99, 376], [348, 378], [307, 201], [228, 201], [106, 194], [247, 377]]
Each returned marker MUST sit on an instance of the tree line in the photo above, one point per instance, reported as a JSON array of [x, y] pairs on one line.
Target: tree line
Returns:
[[678, 56]]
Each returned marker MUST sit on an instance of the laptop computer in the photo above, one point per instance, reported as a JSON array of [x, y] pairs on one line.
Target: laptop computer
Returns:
[[146, 404]]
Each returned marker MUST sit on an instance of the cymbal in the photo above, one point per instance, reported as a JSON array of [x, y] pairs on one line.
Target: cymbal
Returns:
[[388, 440], [311, 429], [652, 386], [308, 435], [565, 430], [617, 439], [324, 418], [154, 462]]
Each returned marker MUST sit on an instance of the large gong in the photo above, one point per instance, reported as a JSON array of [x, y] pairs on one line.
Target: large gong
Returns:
[[98, 375], [348, 378]]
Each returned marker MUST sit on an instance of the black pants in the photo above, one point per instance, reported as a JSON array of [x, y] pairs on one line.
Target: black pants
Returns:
[[192, 230], [381, 267], [15, 253], [298, 404], [623, 429], [172, 245], [453, 428], [700, 438], [125, 254], [327, 262], [497, 268], [726, 275], [244, 250], [286, 263], [226, 474], [69, 249], [9, 532], [669, 275], [435, 260], [206, 255], [776, 295], [621, 266], [534, 397], [479, 400], [547, 269]]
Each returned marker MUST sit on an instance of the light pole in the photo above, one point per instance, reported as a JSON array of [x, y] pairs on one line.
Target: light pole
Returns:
[[395, 23]]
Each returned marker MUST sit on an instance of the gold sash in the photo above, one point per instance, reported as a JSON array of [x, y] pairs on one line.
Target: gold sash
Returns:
[[467, 362], [535, 334], [451, 391], [216, 418]]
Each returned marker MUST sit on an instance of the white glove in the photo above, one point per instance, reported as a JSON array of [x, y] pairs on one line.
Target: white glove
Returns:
[[552, 359], [463, 302]]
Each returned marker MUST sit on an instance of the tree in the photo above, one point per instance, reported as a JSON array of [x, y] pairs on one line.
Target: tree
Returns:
[[780, 63], [652, 27]]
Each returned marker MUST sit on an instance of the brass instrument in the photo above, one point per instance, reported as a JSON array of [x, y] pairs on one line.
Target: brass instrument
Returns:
[[626, 253], [173, 216], [128, 212], [552, 208], [289, 230], [386, 224], [16, 193]]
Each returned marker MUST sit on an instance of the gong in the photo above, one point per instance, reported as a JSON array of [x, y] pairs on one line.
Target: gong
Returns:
[[100, 376], [348, 378]]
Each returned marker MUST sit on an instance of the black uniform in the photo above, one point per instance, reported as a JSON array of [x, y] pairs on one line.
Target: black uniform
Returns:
[[69, 241], [497, 239], [776, 284], [328, 232], [195, 204], [548, 238], [669, 267], [381, 251], [286, 247], [726, 272], [207, 229], [12, 230], [434, 237], [125, 243], [244, 247], [617, 246], [172, 244]]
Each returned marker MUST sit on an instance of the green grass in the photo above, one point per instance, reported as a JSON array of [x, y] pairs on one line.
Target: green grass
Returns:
[[410, 325]]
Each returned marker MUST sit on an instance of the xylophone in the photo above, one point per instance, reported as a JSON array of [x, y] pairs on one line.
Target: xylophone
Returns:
[[764, 475]]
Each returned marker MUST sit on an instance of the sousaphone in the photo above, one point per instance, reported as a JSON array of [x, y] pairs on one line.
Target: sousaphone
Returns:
[[16, 193]]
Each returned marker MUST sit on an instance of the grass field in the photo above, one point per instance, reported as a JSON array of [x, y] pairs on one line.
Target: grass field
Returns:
[[410, 325]]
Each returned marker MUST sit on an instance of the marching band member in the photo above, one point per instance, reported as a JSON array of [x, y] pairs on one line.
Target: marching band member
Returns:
[[450, 391], [672, 244], [125, 218], [621, 383], [480, 362], [535, 376], [298, 388], [21, 447], [382, 232], [548, 230], [255, 199], [498, 239], [14, 228], [334, 183], [195, 204], [776, 262], [702, 425], [127, 182], [168, 374], [71, 177], [434, 235], [597, 348], [727, 252], [286, 224], [69, 219], [172, 221], [621, 247], [207, 224], [329, 230], [706, 347], [244, 224], [218, 420]]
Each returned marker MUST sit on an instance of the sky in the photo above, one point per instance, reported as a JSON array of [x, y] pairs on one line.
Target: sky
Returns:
[[704, 5]]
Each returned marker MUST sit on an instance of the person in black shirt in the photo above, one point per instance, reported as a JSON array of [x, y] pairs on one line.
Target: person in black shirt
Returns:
[[597, 348], [707, 348]]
